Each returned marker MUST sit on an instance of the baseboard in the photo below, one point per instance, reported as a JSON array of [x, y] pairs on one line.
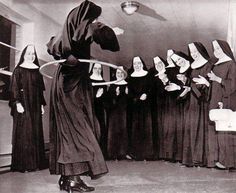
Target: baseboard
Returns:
[[5, 169], [5, 160]]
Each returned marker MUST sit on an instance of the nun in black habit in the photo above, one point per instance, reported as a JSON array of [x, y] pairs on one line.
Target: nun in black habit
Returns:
[[74, 129], [117, 96], [158, 99], [182, 61], [196, 120], [221, 144], [26, 102], [139, 120], [167, 151], [99, 98], [170, 150]]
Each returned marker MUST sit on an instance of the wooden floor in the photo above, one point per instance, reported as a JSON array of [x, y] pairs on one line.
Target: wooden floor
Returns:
[[131, 177]]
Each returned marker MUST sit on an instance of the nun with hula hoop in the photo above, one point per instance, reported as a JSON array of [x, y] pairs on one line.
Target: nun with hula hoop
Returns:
[[74, 130]]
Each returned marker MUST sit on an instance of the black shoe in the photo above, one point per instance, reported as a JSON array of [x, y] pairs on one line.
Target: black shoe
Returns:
[[82, 187], [61, 182], [64, 183], [68, 184]]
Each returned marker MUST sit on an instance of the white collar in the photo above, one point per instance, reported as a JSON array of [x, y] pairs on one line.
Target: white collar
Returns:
[[96, 77], [223, 59], [161, 72], [139, 73], [184, 68], [199, 63], [29, 65], [161, 76], [170, 64]]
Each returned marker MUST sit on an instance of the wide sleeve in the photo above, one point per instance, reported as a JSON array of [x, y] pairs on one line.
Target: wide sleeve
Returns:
[[105, 37], [132, 95], [229, 81], [200, 91], [15, 89], [196, 90], [111, 98], [148, 85], [42, 86]]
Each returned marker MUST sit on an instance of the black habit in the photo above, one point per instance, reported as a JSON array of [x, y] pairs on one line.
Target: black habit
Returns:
[[74, 129]]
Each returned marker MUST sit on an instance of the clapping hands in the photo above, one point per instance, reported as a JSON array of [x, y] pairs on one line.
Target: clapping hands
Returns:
[[213, 77], [182, 78], [117, 91], [172, 87], [126, 90], [99, 92], [186, 90], [201, 80], [143, 97]]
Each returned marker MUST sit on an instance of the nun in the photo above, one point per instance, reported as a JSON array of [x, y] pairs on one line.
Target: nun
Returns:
[[195, 133], [99, 97], [117, 96], [27, 106], [167, 149], [158, 97], [74, 129], [140, 123], [182, 61], [170, 63], [223, 87]]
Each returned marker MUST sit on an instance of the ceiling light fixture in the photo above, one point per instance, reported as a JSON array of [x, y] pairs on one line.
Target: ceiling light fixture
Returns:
[[129, 7]]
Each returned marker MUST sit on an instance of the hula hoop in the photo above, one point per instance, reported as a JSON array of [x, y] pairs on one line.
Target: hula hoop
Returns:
[[85, 60]]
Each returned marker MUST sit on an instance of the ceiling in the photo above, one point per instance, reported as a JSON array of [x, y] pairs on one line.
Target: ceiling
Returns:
[[157, 26]]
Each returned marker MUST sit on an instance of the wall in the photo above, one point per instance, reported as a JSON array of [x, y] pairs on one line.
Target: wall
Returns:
[[33, 27]]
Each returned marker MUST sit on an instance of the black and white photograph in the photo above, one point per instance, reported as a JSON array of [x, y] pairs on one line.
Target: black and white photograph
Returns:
[[115, 96]]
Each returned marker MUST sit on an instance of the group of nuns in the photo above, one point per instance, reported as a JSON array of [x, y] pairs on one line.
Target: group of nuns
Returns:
[[163, 113]]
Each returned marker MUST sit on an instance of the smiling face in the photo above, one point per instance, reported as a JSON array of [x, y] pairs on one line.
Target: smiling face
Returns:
[[119, 74], [168, 58], [159, 65], [29, 54], [178, 60], [97, 69], [218, 52], [194, 52], [138, 66]]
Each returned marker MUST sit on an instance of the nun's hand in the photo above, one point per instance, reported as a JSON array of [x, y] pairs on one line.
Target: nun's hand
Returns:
[[172, 87], [118, 31], [117, 91], [182, 78], [201, 80], [126, 90], [20, 108], [99, 92], [186, 90], [165, 81], [213, 77], [42, 110], [143, 97]]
